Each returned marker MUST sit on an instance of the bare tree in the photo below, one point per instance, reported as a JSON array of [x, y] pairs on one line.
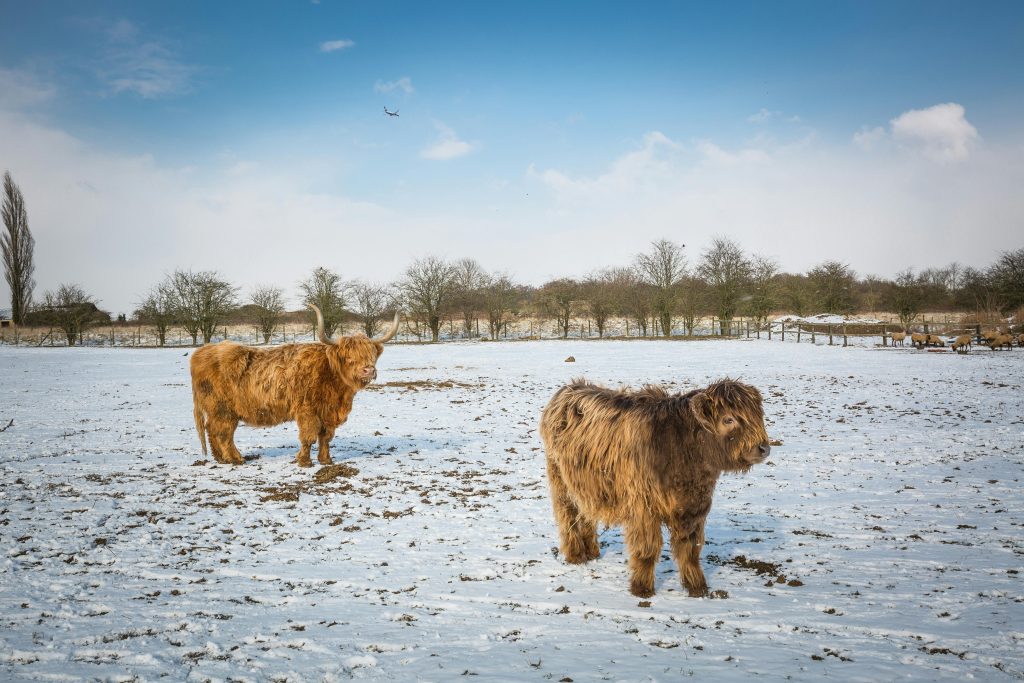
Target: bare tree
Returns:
[[269, 304], [634, 297], [325, 289], [599, 295], [727, 272], [203, 301], [906, 296], [369, 303], [17, 245], [832, 284], [73, 311], [763, 288], [1007, 277], [428, 288], [663, 269], [559, 300], [468, 281], [159, 309], [693, 296], [499, 297]]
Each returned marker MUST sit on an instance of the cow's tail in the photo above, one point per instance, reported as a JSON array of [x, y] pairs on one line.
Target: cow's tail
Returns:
[[197, 411]]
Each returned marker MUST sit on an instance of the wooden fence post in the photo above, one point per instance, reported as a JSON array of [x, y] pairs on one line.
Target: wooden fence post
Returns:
[[884, 331], [844, 335], [783, 330], [830, 335]]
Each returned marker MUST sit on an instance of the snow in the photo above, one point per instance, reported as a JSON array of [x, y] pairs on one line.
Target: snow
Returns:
[[827, 319], [893, 507]]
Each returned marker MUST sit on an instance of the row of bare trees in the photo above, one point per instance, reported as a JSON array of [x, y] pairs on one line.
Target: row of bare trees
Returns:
[[659, 293]]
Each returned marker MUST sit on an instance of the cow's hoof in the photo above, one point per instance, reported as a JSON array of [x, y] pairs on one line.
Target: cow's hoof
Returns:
[[304, 463], [641, 591], [325, 461]]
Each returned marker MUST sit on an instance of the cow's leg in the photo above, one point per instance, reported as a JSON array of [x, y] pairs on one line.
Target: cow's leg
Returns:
[[643, 541], [221, 423], [578, 534], [323, 448], [687, 542], [309, 430], [222, 440]]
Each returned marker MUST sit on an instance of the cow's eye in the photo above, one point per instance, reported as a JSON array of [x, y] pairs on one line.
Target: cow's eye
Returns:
[[729, 421]]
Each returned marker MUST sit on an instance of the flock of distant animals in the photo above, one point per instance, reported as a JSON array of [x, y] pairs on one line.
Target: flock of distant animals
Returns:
[[993, 339]]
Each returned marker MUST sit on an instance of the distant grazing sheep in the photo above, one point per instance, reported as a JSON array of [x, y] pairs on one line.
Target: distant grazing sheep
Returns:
[[962, 343], [1020, 340], [646, 458], [1001, 341], [918, 339], [899, 338], [935, 340]]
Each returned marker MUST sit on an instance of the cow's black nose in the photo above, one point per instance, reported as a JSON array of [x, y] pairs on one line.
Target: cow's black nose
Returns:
[[765, 450]]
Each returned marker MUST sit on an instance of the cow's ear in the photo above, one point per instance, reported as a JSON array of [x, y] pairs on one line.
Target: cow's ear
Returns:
[[701, 409], [380, 348]]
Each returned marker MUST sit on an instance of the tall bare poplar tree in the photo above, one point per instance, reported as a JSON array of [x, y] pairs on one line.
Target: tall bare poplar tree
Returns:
[[17, 245]]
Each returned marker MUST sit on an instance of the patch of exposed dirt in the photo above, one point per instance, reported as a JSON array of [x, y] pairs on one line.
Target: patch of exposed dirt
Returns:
[[423, 385], [760, 567], [321, 484], [331, 472]]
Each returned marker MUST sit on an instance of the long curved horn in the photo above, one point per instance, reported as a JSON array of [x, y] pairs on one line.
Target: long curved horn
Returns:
[[391, 332], [320, 325]]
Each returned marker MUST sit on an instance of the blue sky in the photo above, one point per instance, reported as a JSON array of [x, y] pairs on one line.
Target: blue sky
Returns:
[[540, 139]]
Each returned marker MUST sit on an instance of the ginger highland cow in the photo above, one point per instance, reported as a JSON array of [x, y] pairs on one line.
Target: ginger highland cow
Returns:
[[312, 384], [646, 458]]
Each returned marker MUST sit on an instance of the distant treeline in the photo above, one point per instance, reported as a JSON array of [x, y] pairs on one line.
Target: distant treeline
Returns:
[[660, 291]]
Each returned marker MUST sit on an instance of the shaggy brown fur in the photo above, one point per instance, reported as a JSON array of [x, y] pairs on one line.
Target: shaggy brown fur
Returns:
[[646, 458], [312, 384]]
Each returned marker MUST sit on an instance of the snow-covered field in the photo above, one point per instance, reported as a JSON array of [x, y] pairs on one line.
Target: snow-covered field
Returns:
[[882, 541]]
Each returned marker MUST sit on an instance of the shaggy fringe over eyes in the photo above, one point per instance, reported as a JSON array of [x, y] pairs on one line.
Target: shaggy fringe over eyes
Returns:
[[744, 403]]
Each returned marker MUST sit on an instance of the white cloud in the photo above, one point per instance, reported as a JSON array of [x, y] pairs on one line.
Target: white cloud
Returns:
[[19, 89], [447, 146], [763, 115], [334, 45], [941, 132], [714, 154], [801, 202], [148, 68], [404, 84], [869, 138]]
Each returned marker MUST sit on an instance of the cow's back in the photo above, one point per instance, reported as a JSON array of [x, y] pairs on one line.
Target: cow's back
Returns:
[[601, 451]]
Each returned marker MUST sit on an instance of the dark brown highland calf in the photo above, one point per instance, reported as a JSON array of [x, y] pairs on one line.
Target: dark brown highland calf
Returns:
[[646, 458], [312, 384]]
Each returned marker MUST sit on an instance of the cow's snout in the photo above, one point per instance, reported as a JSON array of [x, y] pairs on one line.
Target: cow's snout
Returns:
[[369, 373], [765, 450]]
